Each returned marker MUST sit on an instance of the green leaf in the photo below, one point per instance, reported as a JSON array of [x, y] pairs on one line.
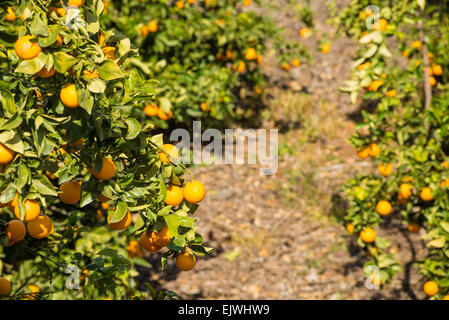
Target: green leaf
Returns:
[[96, 86], [173, 222], [63, 61], [44, 187], [134, 128], [110, 71], [7, 101], [86, 101], [31, 66], [119, 213], [12, 140]]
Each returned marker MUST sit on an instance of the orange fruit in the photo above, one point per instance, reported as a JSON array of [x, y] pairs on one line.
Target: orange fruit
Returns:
[[6, 154], [194, 191], [45, 73], [364, 65], [383, 208], [171, 153], [246, 2], [285, 66], [105, 205], [91, 74], [416, 44], [133, 249], [59, 11], [414, 227], [15, 231], [405, 190], [380, 25], [375, 85], [174, 196], [147, 241], [75, 3], [107, 171], [32, 210], [59, 41], [162, 238], [190, 1], [109, 52], [70, 192], [40, 228], [27, 49], [180, 4], [204, 107], [69, 96], [376, 280], [374, 150], [296, 62], [240, 67], [144, 31], [185, 261], [10, 15], [432, 81], [426, 194], [350, 228], [304, 32], [325, 48], [391, 93], [368, 235], [445, 164], [385, 169], [5, 286], [431, 288], [122, 224], [33, 291], [446, 297], [251, 54], [363, 153], [259, 59], [164, 116], [437, 70], [152, 26], [151, 110]]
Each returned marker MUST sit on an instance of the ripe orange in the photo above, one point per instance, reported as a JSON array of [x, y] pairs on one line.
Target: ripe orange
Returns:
[[105, 205], [383, 208], [446, 297], [375, 279], [109, 52], [164, 116], [285, 66], [10, 15], [437, 70], [350, 228], [445, 164], [144, 31], [246, 2], [259, 59], [91, 74], [385, 170], [32, 210], [69, 96], [133, 249], [391, 93], [426, 194], [375, 85], [59, 11], [194, 191], [70, 192], [162, 238], [304, 32], [432, 81], [40, 228], [251, 54], [171, 153], [33, 291], [174, 196], [180, 4], [364, 65], [107, 170], [151, 110], [185, 261], [374, 150], [147, 241], [6, 154], [325, 48], [413, 227], [75, 3], [405, 190], [15, 231], [240, 67], [152, 26], [27, 49], [368, 235], [45, 73], [5, 286], [190, 1], [431, 288], [380, 25], [204, 107], [416, 44], [296, 62], [122, 224], [363, 153]]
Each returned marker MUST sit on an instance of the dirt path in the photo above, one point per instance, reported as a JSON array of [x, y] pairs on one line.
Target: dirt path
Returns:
[[278, 237]]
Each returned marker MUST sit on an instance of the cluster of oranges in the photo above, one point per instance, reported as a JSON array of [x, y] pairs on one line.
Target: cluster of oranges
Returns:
[[152, 27], [153, 110]]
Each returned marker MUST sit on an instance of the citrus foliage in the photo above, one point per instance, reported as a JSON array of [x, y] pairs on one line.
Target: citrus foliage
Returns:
[[83, 174], [204, 53], [404, 135]]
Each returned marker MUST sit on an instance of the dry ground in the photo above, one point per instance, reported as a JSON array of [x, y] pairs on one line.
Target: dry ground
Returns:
[[281, 236]]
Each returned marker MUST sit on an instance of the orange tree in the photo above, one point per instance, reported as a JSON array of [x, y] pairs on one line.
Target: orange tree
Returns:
[[204, 53], [85, 189], [400, 70]]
